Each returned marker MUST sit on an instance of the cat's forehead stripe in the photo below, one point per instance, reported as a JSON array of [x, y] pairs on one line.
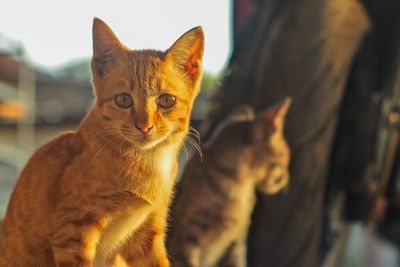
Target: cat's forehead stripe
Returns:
[[144, 69], [124, 83]]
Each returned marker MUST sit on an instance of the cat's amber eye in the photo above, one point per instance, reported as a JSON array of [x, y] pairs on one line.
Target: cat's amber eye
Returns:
[[123, 100], [166, 101]]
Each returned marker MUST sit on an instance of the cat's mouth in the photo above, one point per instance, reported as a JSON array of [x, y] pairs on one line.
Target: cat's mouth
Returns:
[[144, 141]]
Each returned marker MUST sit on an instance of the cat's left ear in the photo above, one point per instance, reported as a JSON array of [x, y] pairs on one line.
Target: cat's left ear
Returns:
[[187, 53], [106, 49], [272, 119]]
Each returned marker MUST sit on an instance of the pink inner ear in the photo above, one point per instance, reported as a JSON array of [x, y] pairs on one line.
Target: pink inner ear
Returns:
[[192, 67], [272, 119], [263, 129], [271, 115]]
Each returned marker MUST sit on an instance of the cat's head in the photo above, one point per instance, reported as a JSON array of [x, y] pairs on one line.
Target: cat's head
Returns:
[[145, 97], [254, 143]]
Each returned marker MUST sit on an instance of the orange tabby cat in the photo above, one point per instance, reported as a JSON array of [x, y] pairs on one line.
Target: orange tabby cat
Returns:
[[86, 195]]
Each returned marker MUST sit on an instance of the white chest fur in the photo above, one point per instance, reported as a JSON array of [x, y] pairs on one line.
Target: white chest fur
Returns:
[[165, 162], [118, 232], [122, 227]]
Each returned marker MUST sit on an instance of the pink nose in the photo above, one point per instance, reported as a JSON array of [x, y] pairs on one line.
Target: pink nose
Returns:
[[144, 127]]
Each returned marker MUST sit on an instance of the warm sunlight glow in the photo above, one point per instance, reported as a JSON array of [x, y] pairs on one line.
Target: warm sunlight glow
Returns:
[[13, 110]]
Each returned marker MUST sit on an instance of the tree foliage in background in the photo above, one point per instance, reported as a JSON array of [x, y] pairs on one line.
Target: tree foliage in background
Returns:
[[78, 70]]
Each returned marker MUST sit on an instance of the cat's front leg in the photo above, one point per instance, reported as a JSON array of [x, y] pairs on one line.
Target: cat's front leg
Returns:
[[188, 257], [71, 250], [147, 245], [159, 251], [146, 248], [157, 225], [236, 256], [74, 241]]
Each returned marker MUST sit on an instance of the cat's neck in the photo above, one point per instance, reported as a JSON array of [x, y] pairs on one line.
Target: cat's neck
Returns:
[[232, 167]]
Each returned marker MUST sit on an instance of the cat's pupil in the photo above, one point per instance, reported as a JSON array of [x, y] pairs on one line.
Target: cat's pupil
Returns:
[[166, 101], [123, 100]]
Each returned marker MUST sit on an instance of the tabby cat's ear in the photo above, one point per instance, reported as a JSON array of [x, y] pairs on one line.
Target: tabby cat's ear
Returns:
[[187, 53], [272, 119], [240, 114], [106, 48]]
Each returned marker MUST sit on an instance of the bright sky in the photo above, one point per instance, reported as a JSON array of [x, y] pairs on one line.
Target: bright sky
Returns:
[[56, 32]]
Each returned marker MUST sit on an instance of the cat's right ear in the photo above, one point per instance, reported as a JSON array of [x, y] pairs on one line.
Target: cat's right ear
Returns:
[[271, 120], [186, 54], [106, 47]]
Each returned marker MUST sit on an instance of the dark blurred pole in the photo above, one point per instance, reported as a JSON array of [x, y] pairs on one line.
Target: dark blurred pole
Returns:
[[369, 93], [383, 48], [303, 49], [363, 141]]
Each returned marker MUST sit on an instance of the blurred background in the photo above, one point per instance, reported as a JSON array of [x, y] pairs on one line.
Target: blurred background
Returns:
[[45, 50]]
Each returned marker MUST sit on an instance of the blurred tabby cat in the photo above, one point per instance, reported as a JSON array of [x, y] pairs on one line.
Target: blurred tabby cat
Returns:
[[211, 213], [86, 196]]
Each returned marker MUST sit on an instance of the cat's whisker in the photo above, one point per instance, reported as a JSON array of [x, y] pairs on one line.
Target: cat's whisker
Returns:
[[195, 135], [102, 148], [111, 135], [186, 151], [196, 146], [194, 132], [193, 142], [193, 129], [98, 151]]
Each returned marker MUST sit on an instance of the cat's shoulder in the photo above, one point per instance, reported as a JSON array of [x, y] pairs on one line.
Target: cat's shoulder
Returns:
[[53, 155], [64, 142]]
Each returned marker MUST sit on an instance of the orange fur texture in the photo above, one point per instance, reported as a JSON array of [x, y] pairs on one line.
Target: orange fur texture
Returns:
[[99, 196]]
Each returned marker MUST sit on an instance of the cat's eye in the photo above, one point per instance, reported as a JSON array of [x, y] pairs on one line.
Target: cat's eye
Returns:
[[166, 101], [123, 100]]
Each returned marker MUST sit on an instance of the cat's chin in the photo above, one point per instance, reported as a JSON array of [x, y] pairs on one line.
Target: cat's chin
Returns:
[[147, 143]]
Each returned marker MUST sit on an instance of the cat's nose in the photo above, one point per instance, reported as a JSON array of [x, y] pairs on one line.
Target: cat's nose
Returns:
[[144, 127]]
